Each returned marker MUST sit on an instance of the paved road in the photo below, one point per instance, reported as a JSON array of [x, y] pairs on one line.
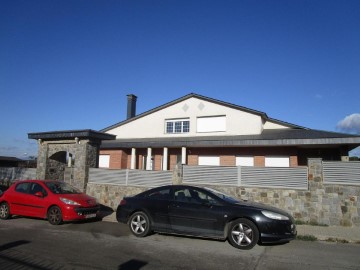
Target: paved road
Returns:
[[35, 244]]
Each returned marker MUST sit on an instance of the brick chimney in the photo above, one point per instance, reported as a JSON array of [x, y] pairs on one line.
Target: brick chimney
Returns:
[[131, 106]]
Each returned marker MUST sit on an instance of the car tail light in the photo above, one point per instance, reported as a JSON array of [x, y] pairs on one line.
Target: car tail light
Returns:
[[123, 202]]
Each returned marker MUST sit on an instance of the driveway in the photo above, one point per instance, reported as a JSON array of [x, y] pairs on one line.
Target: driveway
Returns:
[[35, 244]]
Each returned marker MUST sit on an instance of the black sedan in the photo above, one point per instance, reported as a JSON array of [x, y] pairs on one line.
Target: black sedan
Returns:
[[205, 212]]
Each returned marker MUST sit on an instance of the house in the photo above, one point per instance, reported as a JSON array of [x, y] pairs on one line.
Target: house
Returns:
[[10, 161], [198, 130]]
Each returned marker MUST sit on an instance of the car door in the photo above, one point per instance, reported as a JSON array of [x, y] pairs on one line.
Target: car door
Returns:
[[194, 211], [156, 203], [37, 201], [18, 199]]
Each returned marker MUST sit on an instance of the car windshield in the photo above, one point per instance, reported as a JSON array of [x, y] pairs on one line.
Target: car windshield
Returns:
[[61, 188], [222, 195]]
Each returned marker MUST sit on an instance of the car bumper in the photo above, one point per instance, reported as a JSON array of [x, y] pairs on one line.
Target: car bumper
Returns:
[[278, 232], [80, 213], [122, 215]]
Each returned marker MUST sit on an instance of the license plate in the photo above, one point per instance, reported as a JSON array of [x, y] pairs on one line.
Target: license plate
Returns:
[[90, 216]]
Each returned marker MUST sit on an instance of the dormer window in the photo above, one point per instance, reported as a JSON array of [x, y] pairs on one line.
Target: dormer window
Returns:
[[176, 126]]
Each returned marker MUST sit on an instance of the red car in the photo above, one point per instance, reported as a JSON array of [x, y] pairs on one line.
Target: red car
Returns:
[[53, 200]]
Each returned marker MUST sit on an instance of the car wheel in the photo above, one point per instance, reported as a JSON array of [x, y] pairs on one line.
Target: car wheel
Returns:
[[54, 215], [139, 224], [4, 211], [243, 234]]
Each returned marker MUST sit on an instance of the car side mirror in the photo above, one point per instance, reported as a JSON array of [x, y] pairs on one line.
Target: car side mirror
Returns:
[[39, 194]]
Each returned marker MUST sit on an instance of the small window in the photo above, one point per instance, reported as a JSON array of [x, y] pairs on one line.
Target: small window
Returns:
[[194, 196], [177, 126], [37, 188], [23, 187], [163, 194]]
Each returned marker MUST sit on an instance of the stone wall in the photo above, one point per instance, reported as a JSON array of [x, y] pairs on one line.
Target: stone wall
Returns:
[[320, 204], [111, 195]]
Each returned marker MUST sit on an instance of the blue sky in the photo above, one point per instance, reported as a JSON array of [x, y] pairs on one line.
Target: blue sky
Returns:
[[70, 64]]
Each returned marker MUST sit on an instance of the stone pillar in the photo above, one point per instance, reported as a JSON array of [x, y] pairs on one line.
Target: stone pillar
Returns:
[[133, 159], [315, 169], [42, 160], [165, 159], [177, 175]]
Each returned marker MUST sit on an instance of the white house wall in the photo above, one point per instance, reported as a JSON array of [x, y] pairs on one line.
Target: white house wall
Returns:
[[153, 125], [272, 125]]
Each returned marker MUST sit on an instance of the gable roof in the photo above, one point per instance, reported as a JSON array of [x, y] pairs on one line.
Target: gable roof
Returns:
[[216, 101]]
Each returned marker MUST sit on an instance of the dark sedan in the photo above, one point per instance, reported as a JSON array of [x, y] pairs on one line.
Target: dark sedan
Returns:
[[205, 212]]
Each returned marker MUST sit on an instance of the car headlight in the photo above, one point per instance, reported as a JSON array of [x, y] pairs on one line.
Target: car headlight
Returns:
[[274, 215], [70, 202]]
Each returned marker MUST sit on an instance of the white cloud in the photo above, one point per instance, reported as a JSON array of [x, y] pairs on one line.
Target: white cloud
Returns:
[[350, 123]]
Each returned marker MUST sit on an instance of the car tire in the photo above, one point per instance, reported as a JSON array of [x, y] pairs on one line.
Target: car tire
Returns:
[[4, 211], [243, 234], [139, 224], [54, 215]]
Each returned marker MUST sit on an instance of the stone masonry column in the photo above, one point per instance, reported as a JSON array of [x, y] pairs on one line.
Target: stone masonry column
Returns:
[[82, 144], [315, 169]]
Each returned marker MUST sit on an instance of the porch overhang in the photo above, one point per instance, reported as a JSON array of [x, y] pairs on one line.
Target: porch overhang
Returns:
[[269, 138]]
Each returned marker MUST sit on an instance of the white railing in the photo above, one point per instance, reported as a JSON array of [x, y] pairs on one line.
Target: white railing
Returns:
[[268, 177], [342, 173], [130, 177]]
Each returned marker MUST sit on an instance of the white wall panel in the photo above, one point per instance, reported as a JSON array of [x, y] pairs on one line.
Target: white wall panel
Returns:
[[211, 124], [104, 161]]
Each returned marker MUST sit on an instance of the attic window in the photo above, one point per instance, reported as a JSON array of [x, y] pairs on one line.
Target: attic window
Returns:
[[177, 126]]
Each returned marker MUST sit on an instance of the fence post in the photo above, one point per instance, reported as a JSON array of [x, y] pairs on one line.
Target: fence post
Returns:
[[126, 177], [177, 177], [239, 175], [315, 169]]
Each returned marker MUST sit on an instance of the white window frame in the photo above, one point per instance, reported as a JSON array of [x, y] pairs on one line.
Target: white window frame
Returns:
[[175, 122]]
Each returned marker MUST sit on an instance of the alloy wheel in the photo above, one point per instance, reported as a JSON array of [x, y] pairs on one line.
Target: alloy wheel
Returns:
[[243, 234], [139, 224], [4, 211], [54, 215]]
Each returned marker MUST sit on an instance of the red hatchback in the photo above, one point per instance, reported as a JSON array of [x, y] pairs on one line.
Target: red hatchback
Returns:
[[53, 200]]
